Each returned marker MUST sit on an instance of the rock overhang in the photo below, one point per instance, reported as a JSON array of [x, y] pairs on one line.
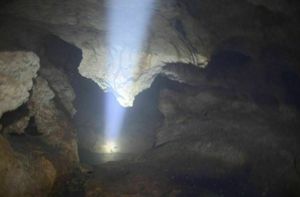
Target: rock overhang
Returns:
[[174, 34], [85, 24]]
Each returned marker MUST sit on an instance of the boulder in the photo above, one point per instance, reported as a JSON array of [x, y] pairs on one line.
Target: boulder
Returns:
[[17, 69], [22, 175], [17, 127], [60, 84], [54, 125]]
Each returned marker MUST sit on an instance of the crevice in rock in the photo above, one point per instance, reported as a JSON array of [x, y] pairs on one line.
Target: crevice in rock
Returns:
[[10, 117], [62, 54], [31, 129], [68, 57], [229, 64]]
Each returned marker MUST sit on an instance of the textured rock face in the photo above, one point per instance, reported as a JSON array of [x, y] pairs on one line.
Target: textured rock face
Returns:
[[86, 24], [218, 137], [229, 130], [17, 69], [61, 86], [53, 123], [217, 127], [178, 31], [18, 127], [287, 7], [31, 176], [36, 136]]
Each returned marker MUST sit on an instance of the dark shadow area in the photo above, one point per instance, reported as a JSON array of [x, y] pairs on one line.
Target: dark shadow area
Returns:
[[31, 128], [62, 54], [10, 117], [233, 185]]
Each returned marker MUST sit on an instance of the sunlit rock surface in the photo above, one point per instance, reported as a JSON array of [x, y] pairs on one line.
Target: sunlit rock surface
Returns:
[[17, 69], [183, 31], [86, 24]]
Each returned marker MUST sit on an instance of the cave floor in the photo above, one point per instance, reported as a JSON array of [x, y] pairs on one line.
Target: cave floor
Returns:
[[137, 178]]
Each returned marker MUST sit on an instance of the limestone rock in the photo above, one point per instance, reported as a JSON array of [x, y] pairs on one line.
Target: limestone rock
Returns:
[[178, 31], [120, 67], [285, 7], [212, 132], [33, 177], [36, 161], [41, 106], [58, 81], [184, 73], [17, 69], [125, 178], [17, 127], [53, 124], [187, 31]]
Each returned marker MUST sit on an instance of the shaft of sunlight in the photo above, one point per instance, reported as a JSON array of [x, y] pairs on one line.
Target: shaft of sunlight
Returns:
[[127, 27]]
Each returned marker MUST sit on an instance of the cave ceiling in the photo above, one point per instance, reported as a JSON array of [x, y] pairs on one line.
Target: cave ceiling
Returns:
[[177, 31]]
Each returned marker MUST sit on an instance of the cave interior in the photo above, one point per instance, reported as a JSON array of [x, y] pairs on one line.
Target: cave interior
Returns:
[[197, 98]]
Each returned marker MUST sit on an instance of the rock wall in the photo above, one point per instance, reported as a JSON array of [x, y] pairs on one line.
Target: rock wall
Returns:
[[24, 176], [179, 31], [17, 69], [236, 120], [224, 126], [37, 135]]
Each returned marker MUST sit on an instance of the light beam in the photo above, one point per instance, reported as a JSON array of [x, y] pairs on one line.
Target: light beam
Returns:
[[127, 28]]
